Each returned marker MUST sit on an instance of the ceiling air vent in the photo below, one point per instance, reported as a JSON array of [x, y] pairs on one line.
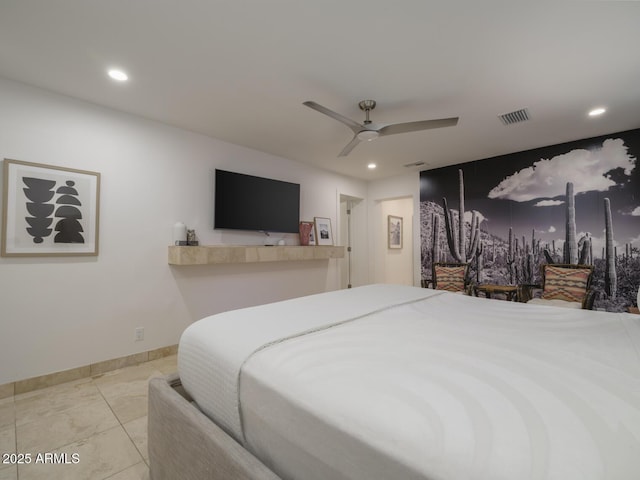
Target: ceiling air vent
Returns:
[[414, 164], [515, 117]]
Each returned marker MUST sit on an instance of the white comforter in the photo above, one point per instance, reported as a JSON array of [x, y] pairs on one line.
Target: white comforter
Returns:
[[440, 386]]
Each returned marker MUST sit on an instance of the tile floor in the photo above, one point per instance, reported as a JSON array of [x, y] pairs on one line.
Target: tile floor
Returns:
[[100, 423]]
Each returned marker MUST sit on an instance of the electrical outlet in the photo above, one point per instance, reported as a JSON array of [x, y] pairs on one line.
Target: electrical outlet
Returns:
[[139, 334]]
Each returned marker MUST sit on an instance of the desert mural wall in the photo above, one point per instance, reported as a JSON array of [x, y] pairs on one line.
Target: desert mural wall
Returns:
[[577, 202]]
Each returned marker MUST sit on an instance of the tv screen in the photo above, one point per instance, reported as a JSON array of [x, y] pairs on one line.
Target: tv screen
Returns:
[[245, 202]]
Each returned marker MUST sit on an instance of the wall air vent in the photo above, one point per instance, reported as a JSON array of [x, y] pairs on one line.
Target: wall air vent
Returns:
[[414, 164], [515, 117]]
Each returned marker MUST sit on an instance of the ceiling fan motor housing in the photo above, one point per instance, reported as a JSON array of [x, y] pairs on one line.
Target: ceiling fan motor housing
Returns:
[[367, 105]]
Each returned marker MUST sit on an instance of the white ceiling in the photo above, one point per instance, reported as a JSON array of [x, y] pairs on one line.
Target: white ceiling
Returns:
[[240, 70]]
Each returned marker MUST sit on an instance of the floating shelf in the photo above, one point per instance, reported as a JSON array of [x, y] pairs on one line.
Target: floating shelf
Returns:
[[217, 254]]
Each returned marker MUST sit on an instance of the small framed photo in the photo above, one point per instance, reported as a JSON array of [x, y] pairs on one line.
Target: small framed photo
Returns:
[[394, 231], [49, 210], [324, 235]]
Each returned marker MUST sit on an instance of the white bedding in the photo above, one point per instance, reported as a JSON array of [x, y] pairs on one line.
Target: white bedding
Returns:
[[441, 386], [212, 351]]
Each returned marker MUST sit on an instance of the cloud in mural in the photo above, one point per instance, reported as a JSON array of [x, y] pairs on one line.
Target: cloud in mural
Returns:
[[548, 203], [587, 169], [469, 215], [551, 229], [636, 212]]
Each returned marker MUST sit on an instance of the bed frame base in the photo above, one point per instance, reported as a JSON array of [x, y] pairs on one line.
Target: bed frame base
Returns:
[[184, 443]]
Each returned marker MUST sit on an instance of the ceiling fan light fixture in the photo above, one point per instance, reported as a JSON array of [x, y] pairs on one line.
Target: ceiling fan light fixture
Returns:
[[367, 135]]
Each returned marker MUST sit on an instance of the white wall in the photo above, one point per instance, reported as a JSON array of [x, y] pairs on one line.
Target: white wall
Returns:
[[393, 265], [379, 194], [61, 313]]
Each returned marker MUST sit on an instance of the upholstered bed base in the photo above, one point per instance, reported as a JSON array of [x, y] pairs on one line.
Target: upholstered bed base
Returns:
[[186, 444]]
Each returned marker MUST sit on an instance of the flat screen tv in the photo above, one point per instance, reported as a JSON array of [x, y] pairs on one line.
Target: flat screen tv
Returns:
[[245, 202]]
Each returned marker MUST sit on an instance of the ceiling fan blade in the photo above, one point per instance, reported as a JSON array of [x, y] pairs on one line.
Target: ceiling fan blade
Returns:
[[416, 126], [350, 146], [354, 126]]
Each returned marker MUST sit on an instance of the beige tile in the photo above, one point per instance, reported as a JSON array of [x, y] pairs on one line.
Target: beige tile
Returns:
[[100, 456], [126, 391], [118, 363], [163, 352], [7, 412], [139, 471], [8, 445], [9, 473], [48, 401], [129, 407], [44, 381], [7, 390], [166, 365], [66, 427], [124, 375], [7, 441], [137, 431]]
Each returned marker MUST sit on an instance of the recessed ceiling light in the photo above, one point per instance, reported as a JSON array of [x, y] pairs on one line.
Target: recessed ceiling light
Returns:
[[596, 111], [371, 166], [118, 75]]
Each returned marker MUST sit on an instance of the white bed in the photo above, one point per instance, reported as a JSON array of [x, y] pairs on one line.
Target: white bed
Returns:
[[394, 382]]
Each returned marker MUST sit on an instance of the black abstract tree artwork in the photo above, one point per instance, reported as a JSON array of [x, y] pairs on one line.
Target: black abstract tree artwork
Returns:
[[69, 226], [40, 193]]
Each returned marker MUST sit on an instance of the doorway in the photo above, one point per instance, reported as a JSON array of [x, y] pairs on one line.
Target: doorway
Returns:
[[353, 227]]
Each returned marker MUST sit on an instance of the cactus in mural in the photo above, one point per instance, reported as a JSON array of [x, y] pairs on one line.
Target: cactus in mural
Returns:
[[511, 258], [457, 241], [479, 262], [548, 257], [436, 239], [570, 245], [584, 246], [527, 268], [610, 279]]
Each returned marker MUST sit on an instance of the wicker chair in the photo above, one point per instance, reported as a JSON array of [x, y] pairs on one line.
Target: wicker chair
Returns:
[[563, 285], [452, 277]]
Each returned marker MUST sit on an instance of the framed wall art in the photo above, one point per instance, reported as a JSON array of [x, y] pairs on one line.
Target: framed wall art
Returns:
[[324, 235], [394, 231], [49, 210]]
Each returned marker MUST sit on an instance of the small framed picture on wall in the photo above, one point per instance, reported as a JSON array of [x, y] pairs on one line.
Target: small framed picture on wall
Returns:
[[324, 235], [394, 231]]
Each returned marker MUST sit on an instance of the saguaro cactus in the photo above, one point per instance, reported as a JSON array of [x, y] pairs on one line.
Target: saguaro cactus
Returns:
[[436, 238], [479, 262], [511, 256], [458, 240], [570, 246], [584, 245], [610, 279]]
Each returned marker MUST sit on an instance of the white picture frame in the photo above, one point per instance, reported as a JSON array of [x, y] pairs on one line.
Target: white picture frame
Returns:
[[324, 234], [394, 232]]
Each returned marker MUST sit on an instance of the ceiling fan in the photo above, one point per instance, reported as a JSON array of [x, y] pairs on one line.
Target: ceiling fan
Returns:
[[369, 131]]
